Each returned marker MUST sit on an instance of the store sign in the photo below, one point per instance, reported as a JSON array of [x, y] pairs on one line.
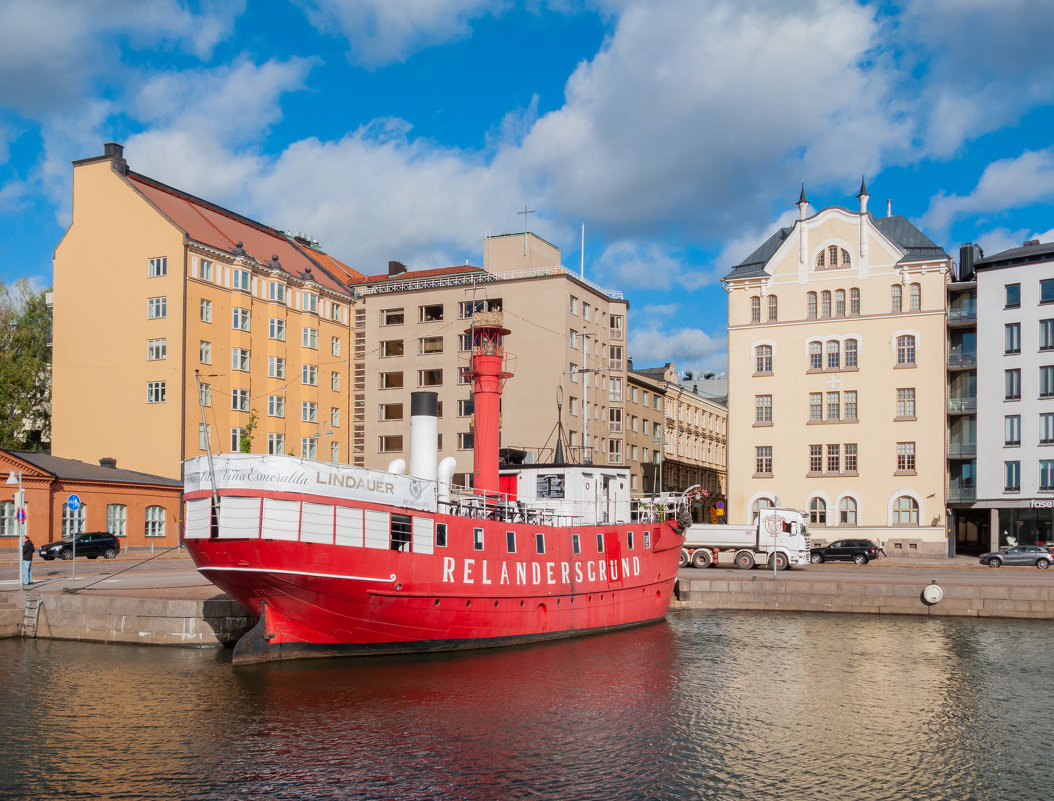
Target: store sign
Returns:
[[1041, 504]]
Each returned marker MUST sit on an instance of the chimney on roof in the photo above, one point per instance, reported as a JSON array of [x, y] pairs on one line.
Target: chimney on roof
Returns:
[[1031, 243], [108, 461], [889, 207], [115, 153], [396, 268]]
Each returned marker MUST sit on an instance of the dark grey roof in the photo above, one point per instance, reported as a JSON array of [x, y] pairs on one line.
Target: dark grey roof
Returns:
[[74, 469], [654, 373], [1021, 255], [917, 246]]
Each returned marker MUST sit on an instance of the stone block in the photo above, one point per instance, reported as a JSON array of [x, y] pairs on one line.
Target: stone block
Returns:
[[994, 593]]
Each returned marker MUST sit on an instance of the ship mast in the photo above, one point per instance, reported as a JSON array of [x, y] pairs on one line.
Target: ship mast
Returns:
[[488, 373]]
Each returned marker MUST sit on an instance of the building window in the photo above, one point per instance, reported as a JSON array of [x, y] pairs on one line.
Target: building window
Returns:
[[1046, 334], [816, 406], [240, 400], [240, 319], [391, 380], [850, 457], [854, 301], [241, 280], [847, 512], [276, 291], [1013, 295], [311, 302], [825, 304], [392, 317], [391, 411], [334, 381], [772, 308], [336, 313], [276, 367], [906, 350], [816, 458], [905, 457], [615, 326], [763, 460], [156, 349], [615, 390], [614, 421], [755, 309], [834, 458], [915, 300], [1046, 474], [834, 403], [334, 417], [615, 357], [276, 444], [309, 411], [818, 512], [834, 360], [1046, 290], [1046, 428], [205, 395], [117, 519], [157, 267], [1012, 430], [614, 451], [309, 338], [391, 443], [427, 345], [839, 302], [238, 438], [276, 329], [430, 378], [156, 308], [1012, 333], [155, 521], [850, 404], [207, 270], [203, 437], [431, 314], [815, 356], [73, 522], [309, 447], [906, 403], [1012, 476], [206, 311], [896, 298], [155, 392], [905, 511], [1012, 381], [391, 348], [762, 408], [763, 359], [309, 375], [810, 305], [334, 451], [850, 353], [240, 359], [1046, 381], [276, 405], [205, 352]]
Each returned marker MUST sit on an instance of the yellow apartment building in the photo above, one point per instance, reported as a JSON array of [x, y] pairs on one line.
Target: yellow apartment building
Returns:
[[836, 329], [155, 290]]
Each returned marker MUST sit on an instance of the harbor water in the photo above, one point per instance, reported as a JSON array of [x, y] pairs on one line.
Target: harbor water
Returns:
[[735, 705]]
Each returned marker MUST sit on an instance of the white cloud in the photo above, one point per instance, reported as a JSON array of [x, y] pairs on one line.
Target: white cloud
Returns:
[[688, 348], [383, 32]]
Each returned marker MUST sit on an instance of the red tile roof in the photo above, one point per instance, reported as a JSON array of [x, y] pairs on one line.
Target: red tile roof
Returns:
[[220, 228]]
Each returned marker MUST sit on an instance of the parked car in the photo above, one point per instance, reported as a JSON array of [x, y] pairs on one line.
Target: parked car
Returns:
[[1019, 555], [93, 544], [859, 551]]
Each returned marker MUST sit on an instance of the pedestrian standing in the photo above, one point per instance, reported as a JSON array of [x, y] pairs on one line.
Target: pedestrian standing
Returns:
[[27, 561]]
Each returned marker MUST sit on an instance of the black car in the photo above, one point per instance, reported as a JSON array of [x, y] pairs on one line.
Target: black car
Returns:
[[859, 551], [92, 544]]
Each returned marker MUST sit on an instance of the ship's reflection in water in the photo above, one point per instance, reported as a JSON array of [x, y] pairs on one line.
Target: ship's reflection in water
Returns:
[[722, 706]]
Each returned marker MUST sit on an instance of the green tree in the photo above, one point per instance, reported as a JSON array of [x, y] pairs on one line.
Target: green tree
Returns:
[[25, 368]]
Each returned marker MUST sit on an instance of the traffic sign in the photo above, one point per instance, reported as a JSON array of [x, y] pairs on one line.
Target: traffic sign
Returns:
[[73, 502], [20, 515], [720, 504]]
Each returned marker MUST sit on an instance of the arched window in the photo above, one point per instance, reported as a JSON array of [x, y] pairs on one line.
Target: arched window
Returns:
[[832, 256], [850, 353], [811, 305], [772, 307], [821, 259], [818, 512], [839, 302], [73, 521], [854, 301], [906, 349], [758, 505], [155, 521], [916, 297], [847, 512], [755, 309], [117, 519], [763, 359], [815, 356], [825, 304], [896, 302], [905, 511], [8, 523], [846, 261], [833, 355]]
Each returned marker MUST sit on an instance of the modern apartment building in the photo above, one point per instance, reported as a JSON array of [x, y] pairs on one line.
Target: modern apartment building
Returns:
[[837, 345], [156, 289], [1015, 394]]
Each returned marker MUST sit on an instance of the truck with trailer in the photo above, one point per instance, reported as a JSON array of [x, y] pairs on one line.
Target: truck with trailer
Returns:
[[776, 534]]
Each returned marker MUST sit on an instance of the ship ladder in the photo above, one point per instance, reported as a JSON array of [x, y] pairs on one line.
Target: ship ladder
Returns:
[[31, 616]]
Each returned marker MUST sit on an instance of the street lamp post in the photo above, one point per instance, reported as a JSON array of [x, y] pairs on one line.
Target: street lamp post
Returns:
[[20, 507]]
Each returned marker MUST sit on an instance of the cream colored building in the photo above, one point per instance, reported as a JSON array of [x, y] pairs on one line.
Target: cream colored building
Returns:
[[837, 378]]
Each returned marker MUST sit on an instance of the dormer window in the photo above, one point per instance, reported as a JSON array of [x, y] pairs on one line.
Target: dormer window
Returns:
[[833, 258]]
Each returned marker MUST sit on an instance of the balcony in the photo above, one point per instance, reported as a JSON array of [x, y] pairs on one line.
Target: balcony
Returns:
[[962, 361], [962, 450], [962, 405], [962, 493], [965, 313]]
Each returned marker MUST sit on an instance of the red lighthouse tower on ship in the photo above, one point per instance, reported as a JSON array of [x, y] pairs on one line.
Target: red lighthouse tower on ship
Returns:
[[489, 371]]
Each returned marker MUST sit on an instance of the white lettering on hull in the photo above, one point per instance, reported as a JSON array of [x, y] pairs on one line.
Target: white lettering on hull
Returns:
[[554, 573]]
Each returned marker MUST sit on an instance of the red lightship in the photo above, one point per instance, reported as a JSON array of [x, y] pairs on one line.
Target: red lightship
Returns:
[[337, 560]]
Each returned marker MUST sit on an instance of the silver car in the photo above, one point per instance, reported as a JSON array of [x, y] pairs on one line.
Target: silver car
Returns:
[[1019, 555]]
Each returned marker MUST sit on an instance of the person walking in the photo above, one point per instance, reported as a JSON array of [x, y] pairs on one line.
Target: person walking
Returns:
[[27, 561]]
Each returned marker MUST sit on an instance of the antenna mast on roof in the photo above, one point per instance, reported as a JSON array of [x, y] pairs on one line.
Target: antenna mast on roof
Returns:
[[525, 212]]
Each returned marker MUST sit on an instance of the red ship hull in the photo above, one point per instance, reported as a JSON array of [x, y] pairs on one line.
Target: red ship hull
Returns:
[[317, 599]]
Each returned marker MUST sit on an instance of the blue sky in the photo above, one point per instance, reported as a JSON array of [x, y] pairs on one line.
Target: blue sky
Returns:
[[678, 132]]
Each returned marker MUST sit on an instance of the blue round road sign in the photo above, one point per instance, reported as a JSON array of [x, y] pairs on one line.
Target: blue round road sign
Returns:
[[73, 502], [20, 515]]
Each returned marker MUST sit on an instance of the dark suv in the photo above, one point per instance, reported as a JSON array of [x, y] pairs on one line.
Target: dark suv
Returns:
[[93, 545], [859, 551]]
